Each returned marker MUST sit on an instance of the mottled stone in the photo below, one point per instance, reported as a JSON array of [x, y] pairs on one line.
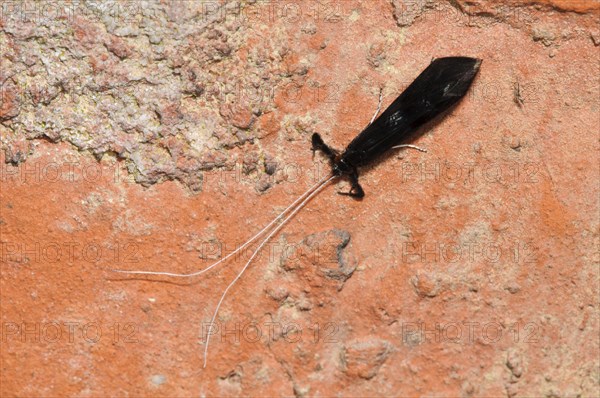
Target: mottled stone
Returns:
[[161, 135]]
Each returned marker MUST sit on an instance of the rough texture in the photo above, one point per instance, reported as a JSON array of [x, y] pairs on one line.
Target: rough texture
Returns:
[[159, 135]]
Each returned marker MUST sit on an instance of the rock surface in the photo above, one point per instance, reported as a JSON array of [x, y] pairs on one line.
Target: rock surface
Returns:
[[160, 135]]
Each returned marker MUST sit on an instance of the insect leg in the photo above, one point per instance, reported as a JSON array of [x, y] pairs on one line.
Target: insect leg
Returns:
[[411, 146], [319, 145], [356, 190]]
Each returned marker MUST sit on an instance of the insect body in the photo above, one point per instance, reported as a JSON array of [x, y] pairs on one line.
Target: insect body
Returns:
[[442, 84]]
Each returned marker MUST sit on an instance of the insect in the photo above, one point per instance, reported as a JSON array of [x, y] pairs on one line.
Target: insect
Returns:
[[442, 84]]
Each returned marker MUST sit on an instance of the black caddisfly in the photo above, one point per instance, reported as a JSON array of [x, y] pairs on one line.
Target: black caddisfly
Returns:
[[442, 84]]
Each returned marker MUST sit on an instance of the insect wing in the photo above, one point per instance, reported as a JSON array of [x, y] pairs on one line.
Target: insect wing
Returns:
[[442, 84]]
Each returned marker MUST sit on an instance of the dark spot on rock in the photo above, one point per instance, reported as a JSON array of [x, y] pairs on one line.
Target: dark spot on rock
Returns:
[[263, 184], [270, 167]]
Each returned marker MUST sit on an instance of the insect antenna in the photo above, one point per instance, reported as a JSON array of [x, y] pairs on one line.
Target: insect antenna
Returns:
[[311, 193], [248, 242]]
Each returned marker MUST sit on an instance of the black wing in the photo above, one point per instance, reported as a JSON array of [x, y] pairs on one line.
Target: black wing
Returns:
[[442, 84]]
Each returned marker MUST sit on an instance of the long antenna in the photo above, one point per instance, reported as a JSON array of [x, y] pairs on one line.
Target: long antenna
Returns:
[[252, 239], [322, 184]]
